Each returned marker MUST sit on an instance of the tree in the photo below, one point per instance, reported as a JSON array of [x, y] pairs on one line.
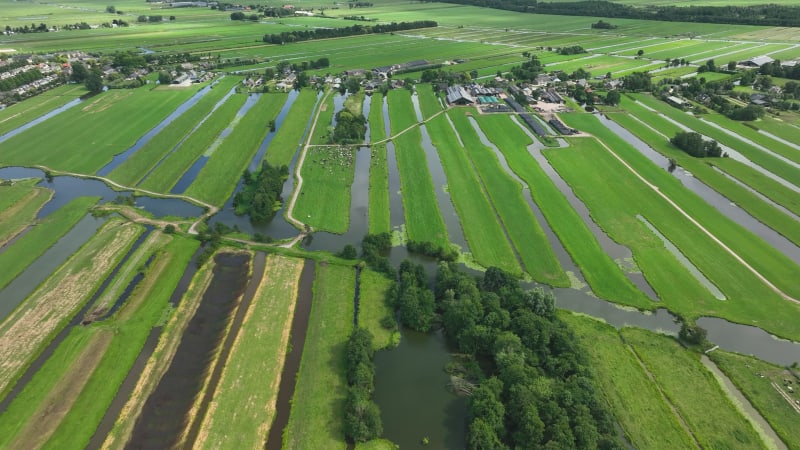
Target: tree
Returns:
[[94, 82], [141, 19], [111, 10], [692, 334], [348, 252], [612, 98], [640, 53], [79, 73]]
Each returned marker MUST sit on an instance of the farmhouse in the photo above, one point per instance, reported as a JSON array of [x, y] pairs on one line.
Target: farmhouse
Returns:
[[457, 95], [758, 61], [550, 96], [675, 101]]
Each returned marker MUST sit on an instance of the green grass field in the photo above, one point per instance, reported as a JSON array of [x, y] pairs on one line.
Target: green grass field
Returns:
[[601, 272], [423, 219], [244, 402], [324, 200], [287, 139], [694, 391], [21, 113], [324, 129], [19, 207], [41, 237], [635, 399], [379, 220], [316, 420], [745, 372], [372, 307]]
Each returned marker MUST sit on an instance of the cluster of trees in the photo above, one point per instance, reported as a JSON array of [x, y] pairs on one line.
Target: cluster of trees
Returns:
[[325, 33], [411, 298], [748, 113], [350, 128], [430, 249], [242, 16], [359, 18], [92, 79], [152, 19], [637, 81], [601, 25], [283, 66], [529, 69], [571, 50], [694, 144], [20, 79], [362, 418], [775, 69], [260, 196], [374, 249], [352, 4], [533, 387], [765, 14], [449, 77]]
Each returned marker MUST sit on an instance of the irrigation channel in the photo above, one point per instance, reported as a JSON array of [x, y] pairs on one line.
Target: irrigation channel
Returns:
[[164, 414], [712, 197]]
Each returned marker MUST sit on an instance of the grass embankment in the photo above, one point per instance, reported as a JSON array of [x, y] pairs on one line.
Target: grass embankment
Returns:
[[19, 205], [379, 206], [482, 228], [603, 275], [21, 113], [372, 308], [78, 383], [24, 251], [324, 200], [754, 379], [217, 179], [702, 169], [692, 389], [324, 127], [136, 167], [90, 134], [243, 407], [616, 201], [316, 419], [287, 138], [506, 194], [28, 329], [643, 413], [169, 172], [428, 101], [763, 159], [748, 133], [423, 218]]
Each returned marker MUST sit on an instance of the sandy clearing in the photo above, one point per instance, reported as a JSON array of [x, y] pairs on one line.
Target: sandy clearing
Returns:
[[44, 422], [44, 312]]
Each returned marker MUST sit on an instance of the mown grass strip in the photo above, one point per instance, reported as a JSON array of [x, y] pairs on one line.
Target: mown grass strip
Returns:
[[324, 128], [324, 200], [379, 219], [23, 212], [694, 391], [136, 167], [244, 404], [217, 179], [423, 219], [482, 228], [601, 272], [748, 133], [779, 269], [24, 251], [28, 329], [21, 113], [372, 308], [766, 186], [287, 138], [11, 194], [644, 415], [754, 379], [428, 101], [316, 419], [90, 134], [506, 194], [169, 172]]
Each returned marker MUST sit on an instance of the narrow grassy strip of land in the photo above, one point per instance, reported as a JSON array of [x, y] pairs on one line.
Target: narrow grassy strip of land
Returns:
[[52, 305], [766, 186], [747, 200], [174, 322], [762, 257], [603, 275], [757, 380], [24, 251], [90, 134], [244, 404], [767, 161], [714, 420], [373, 311], [316, 419], [122, 338], [136, 167], [748, 133], [21, 113], [170, 170], [377, 444], [324, 201], [480, 223], [636, 402], [423, 219], [285, 143], [778, 126], [379, 219], [324, 127], [17, 217], [217, 179], [506, 194], [428, 101], [11, 194]]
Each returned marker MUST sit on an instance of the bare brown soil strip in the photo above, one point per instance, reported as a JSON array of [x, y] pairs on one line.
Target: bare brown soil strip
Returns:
[[44, 422], [30, 325], [160, 360], [17, 207]]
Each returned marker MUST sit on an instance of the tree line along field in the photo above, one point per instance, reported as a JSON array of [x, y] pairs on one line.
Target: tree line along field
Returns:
[[660, 392]]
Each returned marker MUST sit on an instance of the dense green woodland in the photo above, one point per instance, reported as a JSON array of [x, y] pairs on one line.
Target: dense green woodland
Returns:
[[771, 15], [260, 196], [355, 30]]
